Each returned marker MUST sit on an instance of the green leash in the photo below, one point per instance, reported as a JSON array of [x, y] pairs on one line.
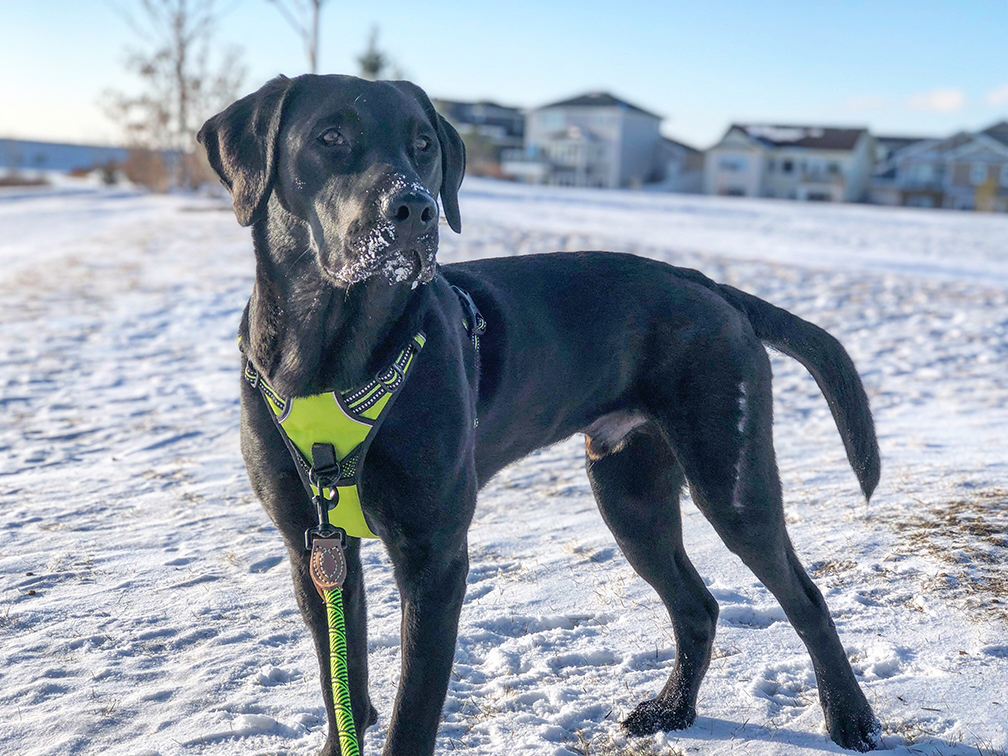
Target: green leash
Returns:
[[338, 673], [327, 566]]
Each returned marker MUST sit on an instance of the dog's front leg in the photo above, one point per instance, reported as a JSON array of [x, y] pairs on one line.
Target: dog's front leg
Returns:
[[431, 587]]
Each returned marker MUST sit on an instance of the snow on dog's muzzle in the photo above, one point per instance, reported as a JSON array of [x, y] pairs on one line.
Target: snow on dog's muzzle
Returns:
[[400, 242]]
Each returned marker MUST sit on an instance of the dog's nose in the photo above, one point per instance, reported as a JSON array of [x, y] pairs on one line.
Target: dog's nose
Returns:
[[413, 213]]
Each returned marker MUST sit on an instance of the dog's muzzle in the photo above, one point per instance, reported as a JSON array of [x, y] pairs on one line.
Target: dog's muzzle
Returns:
[[402, 244]]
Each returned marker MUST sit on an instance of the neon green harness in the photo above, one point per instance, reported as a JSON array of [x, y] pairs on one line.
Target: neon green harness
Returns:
[[347, 422]]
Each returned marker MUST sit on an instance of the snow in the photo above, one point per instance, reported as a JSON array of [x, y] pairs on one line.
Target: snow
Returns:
[[782, 133], [147, 608]]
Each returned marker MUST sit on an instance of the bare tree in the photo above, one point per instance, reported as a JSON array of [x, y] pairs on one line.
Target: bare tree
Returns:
[[180, 89], [373, 62], [303, 16]]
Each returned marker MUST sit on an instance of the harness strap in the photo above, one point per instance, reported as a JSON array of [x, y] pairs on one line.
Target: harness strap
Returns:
[[476, 326], [475, 323]]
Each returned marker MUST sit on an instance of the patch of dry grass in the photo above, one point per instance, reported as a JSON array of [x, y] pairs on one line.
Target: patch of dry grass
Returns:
[[608, 744], [970, 537]]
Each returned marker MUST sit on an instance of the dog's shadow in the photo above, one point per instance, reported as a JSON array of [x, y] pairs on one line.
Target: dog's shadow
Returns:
[[713, 730]]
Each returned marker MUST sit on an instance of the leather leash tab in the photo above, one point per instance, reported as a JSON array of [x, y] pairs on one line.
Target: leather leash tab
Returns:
[[328, 564]]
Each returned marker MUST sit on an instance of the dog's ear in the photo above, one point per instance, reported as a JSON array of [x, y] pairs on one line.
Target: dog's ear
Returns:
[[452, 154], [241, 146], [452, 171]]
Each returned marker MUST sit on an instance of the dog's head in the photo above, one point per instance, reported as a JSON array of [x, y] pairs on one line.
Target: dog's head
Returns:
[[359, 163]]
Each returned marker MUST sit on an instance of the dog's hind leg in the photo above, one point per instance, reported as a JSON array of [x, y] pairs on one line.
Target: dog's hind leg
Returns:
[[726, 449], [637, 488]]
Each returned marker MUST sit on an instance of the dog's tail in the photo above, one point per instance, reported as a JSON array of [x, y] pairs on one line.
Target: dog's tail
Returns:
[[828, 362]]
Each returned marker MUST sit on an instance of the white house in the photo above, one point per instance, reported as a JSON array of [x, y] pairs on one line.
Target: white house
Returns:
[[793, 162], [595, 140], [966, 171]]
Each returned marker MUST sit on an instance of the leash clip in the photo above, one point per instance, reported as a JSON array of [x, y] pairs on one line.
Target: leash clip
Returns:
[[324, 531]]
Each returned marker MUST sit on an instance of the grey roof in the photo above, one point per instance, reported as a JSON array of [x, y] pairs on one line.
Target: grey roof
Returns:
[[998, 131], [680, 144], [469, 104], [898, 142], [812, 137], [598, 100]]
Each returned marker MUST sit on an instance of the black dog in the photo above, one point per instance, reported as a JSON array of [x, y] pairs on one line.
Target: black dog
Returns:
[[662, 369]]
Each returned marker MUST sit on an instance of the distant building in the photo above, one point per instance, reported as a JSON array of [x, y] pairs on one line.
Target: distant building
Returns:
[[887, 146], [814, 163], [680, 167], [495, 127], [596, 140], [19, 155], [966, 171]]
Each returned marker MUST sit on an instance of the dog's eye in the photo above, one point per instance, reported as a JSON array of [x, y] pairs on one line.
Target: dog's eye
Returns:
[[422, 143], [332, 137]]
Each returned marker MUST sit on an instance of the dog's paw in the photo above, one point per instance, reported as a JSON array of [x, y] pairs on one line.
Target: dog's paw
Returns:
[[658, 715], [332, 745], [860, 732]]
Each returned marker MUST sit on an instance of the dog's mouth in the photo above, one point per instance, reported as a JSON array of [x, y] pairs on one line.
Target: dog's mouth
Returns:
[[416, 264], [379, 253]]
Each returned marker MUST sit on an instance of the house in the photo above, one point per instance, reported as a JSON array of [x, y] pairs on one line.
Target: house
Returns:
[[881, 186], [887, 146], [966, 171], [596, 140], [815, 163], [680, 167], [501, 126]]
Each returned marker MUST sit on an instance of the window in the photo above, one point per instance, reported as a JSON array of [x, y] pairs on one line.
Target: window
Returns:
[[733, 164], [787, 166], [552, 120], [770, 165], [923, 172], [833, 169], [978, 173], [1004, 175]]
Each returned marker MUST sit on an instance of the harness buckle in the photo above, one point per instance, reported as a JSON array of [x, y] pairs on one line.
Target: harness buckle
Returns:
[[251, 374], [476, 324], [400, 376], [325, 469]]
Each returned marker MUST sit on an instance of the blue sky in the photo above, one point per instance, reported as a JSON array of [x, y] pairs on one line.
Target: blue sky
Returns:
[[913, 67]]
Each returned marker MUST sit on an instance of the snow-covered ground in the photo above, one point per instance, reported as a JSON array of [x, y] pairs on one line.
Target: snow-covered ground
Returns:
[[146, 605]]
